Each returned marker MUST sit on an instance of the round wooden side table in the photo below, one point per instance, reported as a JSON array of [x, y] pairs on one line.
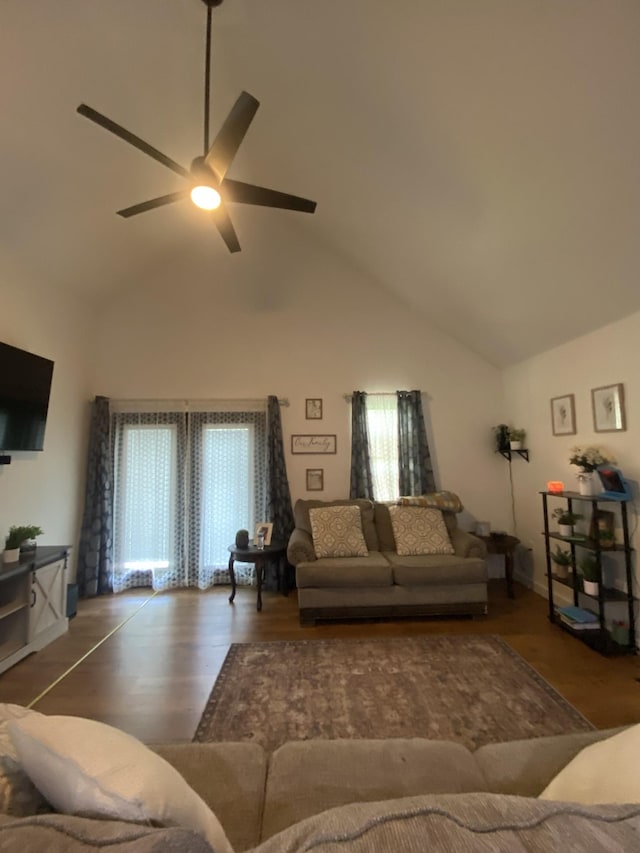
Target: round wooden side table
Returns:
[[259, 557], [502, 543]]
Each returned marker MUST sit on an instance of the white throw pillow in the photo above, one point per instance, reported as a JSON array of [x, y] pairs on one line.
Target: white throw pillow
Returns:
[[18, 795], [603, 772], [90, 769], [419, 530], [337, 531]]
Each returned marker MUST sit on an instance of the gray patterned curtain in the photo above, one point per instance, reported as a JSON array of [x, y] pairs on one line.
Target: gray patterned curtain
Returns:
[[414, 458], [361, 485], [94, 550], [279, 510]]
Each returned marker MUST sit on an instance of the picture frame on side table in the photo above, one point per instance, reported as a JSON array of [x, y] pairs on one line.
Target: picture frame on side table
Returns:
[[265, 527], [315, 479], [313, 409], [607, 403], [563, 415]]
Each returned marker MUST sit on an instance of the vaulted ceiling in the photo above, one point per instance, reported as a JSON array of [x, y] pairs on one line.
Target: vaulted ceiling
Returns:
[[480, 158]]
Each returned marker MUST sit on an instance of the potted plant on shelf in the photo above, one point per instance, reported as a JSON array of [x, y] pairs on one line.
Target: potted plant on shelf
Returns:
[[588, 459], [501, 433], [16, 539], [516, 438], [562, 560], [590, 574], [566, 520]]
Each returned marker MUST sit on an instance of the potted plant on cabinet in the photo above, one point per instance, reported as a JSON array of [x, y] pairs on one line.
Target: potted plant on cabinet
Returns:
[[16, 539], [590, 574], [566, 520], [516, 438], [562, 560]]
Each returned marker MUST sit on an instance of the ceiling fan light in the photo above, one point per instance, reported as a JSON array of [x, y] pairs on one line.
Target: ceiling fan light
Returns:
[[204, 197]]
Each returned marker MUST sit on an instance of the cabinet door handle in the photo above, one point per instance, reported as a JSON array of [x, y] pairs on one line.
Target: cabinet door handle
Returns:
[[33, 598]]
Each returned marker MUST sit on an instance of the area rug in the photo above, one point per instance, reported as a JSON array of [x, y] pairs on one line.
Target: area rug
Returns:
[[473, 689]]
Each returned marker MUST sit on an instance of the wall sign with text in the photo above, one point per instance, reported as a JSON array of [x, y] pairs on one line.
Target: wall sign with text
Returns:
[[313, 444]]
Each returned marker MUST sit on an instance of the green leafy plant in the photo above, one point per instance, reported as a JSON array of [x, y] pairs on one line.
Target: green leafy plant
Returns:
[[560, 557], [516, 434], [563, 516], [501, 433], [18, 535], [589, 568]]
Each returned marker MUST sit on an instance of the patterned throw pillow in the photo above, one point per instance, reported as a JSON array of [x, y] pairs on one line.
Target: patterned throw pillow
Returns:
[[419, 530], [337, 531], [437, 500]]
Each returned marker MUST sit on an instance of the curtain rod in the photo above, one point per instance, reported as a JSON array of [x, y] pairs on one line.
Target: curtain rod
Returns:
[[183, 401], [348, 397]]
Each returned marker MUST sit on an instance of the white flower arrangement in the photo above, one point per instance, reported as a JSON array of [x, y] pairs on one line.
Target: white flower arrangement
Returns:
[[588, 458]]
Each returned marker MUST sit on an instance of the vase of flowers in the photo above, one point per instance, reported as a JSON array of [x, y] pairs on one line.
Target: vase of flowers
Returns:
[[588, 459]]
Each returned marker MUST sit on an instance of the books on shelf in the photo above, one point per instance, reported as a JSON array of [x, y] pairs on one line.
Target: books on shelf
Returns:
[[578, 618]]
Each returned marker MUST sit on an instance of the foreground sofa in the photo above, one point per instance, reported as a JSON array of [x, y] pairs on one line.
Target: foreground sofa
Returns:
[[384, 583], [361, 795]]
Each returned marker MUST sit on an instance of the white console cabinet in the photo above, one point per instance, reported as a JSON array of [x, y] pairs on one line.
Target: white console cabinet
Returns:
[[33, 600]]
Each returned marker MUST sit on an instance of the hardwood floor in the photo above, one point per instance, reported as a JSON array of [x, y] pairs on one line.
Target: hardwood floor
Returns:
[[146, 663]]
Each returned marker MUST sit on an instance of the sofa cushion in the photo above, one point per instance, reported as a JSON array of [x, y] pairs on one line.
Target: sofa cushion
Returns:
[[525, 767], [385, 530], [302, 520], [87, 768], [345, 572], [337, 531], [18, 795], [436, 569], [230, 777], [55, 833], [438, 500], [457, 822], [604, 772], [307, 777], [419, 530]]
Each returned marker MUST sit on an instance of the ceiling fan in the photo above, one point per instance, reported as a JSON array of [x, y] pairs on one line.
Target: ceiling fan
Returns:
[[208, 184]]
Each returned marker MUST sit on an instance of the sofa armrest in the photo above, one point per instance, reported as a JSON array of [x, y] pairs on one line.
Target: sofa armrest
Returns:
[[300, 548], [467, 545]]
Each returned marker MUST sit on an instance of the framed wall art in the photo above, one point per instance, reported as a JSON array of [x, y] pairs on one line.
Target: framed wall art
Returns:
[[312, 444], [563, 415], [313, 409], [607, 403], [315, 479]]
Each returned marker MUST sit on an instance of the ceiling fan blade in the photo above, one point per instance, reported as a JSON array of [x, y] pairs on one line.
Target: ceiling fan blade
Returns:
[[140, 144], [152, 203], [243, 193], [225, 227], [225, 146]]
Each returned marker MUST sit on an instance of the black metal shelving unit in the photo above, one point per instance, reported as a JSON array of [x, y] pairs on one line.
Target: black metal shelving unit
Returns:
[[599, 639]]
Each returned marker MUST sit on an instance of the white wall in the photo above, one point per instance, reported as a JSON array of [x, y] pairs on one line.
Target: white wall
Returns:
[[302, 324], [47, 488], [604, 357]]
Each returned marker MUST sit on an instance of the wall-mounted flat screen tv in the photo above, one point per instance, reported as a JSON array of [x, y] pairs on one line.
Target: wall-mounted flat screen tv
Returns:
[[25, 385]]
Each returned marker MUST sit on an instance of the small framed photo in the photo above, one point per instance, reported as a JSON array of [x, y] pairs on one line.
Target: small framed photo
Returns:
[[607, 403], [313, 409], [315, 479], [265, 527], [563, 415], [603, 521]]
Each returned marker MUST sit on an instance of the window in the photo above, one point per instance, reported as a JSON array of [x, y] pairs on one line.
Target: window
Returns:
[[184, 484], [382, 425]]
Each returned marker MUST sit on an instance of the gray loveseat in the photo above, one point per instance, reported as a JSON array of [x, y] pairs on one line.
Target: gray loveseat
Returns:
[[409, 795], [384, 583]]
